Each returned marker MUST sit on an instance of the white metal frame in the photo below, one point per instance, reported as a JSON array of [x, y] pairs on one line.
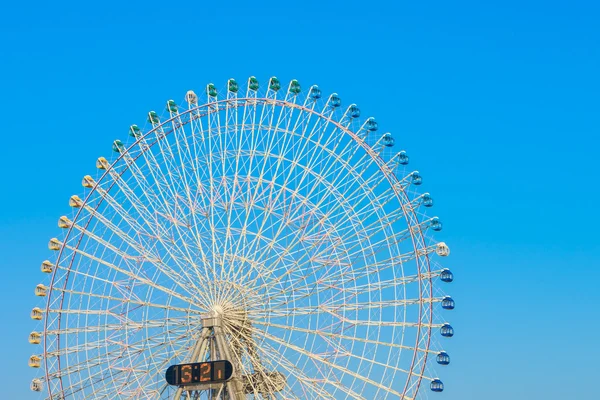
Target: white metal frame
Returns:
[[291, 210]]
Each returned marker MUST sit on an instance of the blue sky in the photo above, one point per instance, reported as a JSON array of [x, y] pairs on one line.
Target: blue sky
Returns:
[[496, 102]]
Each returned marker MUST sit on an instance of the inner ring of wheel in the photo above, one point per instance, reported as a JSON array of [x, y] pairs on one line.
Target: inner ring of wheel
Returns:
[[416, 235]]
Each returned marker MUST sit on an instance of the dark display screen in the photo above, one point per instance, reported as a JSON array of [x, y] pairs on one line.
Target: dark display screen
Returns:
[[198, 373]]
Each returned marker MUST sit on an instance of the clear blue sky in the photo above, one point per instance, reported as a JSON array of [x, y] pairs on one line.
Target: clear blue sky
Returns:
[[496, 102]]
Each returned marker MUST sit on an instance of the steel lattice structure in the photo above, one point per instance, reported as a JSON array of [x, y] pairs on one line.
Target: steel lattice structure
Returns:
[[294, 221]]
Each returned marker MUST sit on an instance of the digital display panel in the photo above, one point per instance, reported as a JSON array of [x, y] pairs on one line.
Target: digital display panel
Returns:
[[199, 373]]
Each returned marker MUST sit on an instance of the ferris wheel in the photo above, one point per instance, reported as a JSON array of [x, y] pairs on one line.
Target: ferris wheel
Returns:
[[261, 243]]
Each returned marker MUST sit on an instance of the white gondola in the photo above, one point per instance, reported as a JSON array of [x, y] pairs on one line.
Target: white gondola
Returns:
[[442, 249], [191, 97], [36, 385]]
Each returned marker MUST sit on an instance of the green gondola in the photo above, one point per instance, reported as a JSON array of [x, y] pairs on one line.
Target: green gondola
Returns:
[[294, 87], [211, 90], [274, 84], [135, 131], [253, 83], [153, 117], [232, 86], [171, 106]]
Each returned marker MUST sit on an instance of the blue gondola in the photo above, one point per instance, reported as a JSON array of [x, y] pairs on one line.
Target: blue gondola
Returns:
[[371, 124], [437, 386], [416, 178], [435, 224], [427, 200], [446, 330], [354, 111], [402, 158], [448, 303], [446, 275], [443, 358], [335, 101], [315, 93], [387, 140]]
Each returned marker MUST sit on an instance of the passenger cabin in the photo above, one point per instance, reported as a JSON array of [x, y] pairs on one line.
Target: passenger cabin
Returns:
[[88, 182], [436, 385], [54, 244], [442, 358], [118, 146], [47, 267], [435, 224], [35, 361], [371, 124], [274, 84], [448, 303], [427, 200], [172, 106], [294, 87], [315, 92], [135, 131], [387, 140], [37, 314], [253, 84], [153, 118], [442, 249], [64, 222], [353, 111], [446, 275], [334, 101], [402, 158], [416, 178], [446, 330], [41, 290], [35, 338], [36, 385], [101, 163], [191, 97], [232, 86], [211, 90], [75, 201]]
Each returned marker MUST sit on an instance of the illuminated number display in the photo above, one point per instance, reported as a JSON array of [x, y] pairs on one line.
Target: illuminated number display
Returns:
[[199, 373], [186, 373]]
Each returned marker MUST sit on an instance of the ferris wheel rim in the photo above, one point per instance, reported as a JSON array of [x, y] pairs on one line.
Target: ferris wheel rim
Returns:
[[376, 157]]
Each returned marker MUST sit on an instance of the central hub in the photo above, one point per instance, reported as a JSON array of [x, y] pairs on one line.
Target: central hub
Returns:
[[232, 317], [232, 303]]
